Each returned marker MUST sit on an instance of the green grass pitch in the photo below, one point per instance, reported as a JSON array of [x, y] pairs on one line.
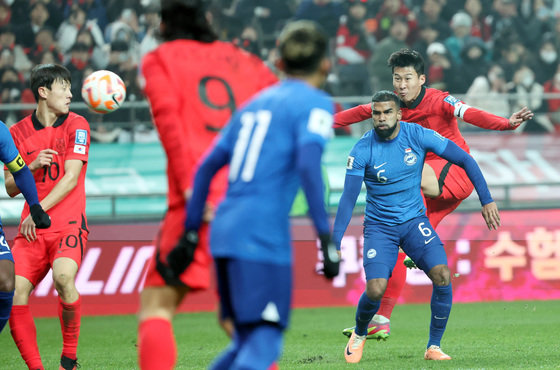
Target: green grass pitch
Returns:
[[499, 335]]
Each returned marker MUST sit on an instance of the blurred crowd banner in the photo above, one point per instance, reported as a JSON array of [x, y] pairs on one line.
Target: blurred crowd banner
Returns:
[[520, 261]]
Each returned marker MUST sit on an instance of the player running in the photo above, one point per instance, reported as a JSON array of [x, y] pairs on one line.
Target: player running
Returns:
[[55, 143], [389, 160], [24, 181], [193, 83], [444, 186]]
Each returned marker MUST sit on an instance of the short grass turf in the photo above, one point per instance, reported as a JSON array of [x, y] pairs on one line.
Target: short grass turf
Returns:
[[498, 335]]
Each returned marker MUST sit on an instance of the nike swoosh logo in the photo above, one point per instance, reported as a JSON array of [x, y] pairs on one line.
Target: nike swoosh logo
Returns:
[[439, 318], [382, 164], [31, 152], [348, 351], [429, 240]]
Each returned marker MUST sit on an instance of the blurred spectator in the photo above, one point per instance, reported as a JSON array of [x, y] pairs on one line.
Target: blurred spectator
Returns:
[[125, 29], [94, 9], [7, 42], [430, 14], [398, 33], [69, 29], [474, 64], [529, 93], [533, 15], [441, 71], [44, 41], [545, 61], [151, 21], [553, 107], [122, 63], [79, 60], [427, 34], [480, 27], [48, 57], [98, 53], [488, 92], [512, 58], [13, 90], [25, 32], [249, 40], [461, 24], [505, 23], [390, 9], [5, 14], [325, 12], [353, 50]]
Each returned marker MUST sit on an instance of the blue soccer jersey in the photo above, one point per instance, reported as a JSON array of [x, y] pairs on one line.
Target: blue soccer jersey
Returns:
[[263, 139], [392, 171]]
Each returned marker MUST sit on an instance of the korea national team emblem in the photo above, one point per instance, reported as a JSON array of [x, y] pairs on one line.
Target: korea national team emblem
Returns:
[[81, 137], [410, 158]]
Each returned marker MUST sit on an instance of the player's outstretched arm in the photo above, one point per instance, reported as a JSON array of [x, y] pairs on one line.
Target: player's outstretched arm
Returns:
[[491, 215], [352, 115], [520, 116]]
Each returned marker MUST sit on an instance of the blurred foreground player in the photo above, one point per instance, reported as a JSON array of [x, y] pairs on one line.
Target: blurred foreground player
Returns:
[[55, 143], [24, 181], [272, 145], [444, 185], [389, 160], [193, 83]]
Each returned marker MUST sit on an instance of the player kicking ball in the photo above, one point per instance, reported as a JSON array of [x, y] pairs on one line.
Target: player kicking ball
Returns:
[[389, 160]]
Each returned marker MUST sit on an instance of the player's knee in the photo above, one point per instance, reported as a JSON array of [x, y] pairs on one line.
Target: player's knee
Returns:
[[63, 282], [7, 280], [440, 275], [375, 289]]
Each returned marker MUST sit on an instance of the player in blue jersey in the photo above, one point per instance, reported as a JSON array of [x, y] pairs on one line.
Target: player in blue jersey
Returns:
[[9, 155], [273, 145], [389, 160]]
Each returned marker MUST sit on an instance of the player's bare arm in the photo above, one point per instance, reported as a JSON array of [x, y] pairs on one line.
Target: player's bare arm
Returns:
[[520, 116], [491, 215], [72, 169]]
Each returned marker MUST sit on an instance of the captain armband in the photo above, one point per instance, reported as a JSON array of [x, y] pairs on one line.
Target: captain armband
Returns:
[[460, 109], [17, 164]]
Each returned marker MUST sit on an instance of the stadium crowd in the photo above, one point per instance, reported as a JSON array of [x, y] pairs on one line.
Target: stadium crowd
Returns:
[[481, 50]]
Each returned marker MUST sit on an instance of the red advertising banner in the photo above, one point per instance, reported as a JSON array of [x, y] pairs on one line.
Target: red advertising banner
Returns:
[[519, 261]]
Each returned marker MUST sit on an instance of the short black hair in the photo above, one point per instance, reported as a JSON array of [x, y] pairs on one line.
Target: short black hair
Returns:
[[407, 58], [186, 19], [43, 75], [302, 46], [386, 95]]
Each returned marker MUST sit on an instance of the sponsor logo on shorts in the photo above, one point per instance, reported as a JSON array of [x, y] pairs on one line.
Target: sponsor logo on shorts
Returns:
[[371, 253]]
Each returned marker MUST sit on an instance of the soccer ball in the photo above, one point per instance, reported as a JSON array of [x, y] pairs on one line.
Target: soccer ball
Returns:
[[103, 91]]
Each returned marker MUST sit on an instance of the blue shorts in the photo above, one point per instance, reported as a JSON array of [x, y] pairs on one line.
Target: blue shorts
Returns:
[[416, 237], [254, 292], [5, 251]]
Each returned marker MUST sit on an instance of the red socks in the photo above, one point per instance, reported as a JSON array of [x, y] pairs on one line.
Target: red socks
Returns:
[[156, 345], [394, 288], [24, 333], [70, 319]]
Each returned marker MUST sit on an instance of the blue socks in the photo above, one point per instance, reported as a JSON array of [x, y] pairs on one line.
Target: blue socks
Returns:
[[6, 299], [364, 313], [442, 297]]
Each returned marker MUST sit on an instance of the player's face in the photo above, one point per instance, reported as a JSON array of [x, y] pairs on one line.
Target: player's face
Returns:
[[59, 97], [407, 83], [386, 117]]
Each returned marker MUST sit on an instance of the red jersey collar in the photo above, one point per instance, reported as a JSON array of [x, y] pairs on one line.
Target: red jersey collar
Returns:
[[39, 126], [416, 101]]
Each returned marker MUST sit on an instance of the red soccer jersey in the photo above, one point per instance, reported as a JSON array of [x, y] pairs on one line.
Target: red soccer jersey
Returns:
[[193, 88], [69, 136], [436, 110]]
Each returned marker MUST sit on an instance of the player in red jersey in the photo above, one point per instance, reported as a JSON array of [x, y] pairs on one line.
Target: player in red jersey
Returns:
[[444, 186], [55, 143], [193, 83]]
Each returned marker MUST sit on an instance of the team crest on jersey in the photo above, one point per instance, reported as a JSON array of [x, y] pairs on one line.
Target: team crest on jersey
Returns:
[[451, 100], [350, 163], [410, 158], [81, 137]]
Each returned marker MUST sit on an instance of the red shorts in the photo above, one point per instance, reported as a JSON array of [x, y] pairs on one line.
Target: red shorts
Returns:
[[197, 275], [455, 186], [34, 259]]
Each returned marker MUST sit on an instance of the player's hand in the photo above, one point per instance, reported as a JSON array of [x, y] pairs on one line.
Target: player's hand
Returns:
[[39, 216], [491, 215], [519, 117], [179, 258], [44, 158], [331, 259], [27, 229]]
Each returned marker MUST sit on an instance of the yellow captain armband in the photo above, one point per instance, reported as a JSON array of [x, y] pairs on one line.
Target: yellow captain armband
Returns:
[[17, 164]]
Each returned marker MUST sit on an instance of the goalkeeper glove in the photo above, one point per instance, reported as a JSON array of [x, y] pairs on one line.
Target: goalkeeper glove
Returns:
[[41, 219], [331, 261], [179, 258]]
